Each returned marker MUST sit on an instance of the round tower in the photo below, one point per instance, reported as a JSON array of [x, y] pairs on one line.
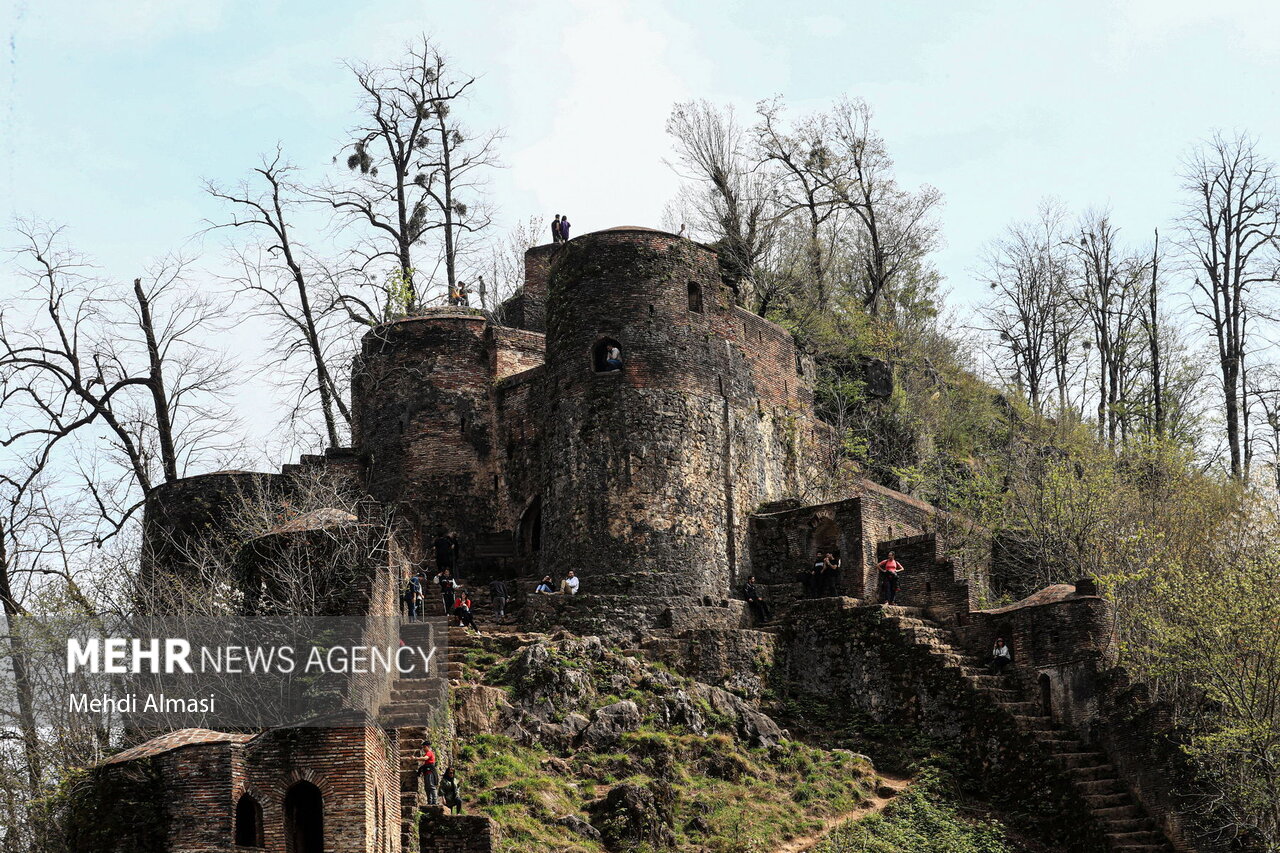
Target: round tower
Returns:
[[421, 421], [638, 495]]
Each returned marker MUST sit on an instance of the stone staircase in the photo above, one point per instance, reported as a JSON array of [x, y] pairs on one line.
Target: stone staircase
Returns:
[[413, 694], [1127, 827]]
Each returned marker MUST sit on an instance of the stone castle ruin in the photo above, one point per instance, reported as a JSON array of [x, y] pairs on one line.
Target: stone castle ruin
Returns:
[[664, 484]]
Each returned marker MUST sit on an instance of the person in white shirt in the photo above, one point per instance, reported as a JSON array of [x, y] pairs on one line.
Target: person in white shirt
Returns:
[[569, 586], [1000, 657]]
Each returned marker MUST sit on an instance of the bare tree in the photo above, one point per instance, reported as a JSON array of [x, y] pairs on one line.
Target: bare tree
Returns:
[[1230, 224], [417, 170], [503, 273], [1108, 291], [91, 358], [1029, 311], [899, 227], [281, 273], [730, 200], [806, 173]]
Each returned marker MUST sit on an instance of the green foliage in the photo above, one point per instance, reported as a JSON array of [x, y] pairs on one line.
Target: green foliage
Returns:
[[400, 294], [924, 819]]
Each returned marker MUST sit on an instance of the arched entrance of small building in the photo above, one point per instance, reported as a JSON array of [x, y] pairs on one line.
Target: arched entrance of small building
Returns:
[[248, 822], [303, 819]]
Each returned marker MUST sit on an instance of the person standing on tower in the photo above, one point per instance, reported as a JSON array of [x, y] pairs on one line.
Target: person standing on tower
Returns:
[[889, 570], [564, 228], [556, 236]]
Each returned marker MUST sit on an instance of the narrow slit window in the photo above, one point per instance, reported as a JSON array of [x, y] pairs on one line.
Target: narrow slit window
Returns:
[[695, 297]]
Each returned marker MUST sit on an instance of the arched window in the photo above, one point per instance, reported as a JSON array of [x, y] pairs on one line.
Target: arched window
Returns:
[[248, 822], [695, 297], [606, 356], [1046, 696], [303, 819]]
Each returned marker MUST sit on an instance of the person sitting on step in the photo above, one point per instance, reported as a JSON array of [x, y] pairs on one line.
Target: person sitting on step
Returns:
[[569, 586], [451, 791], [759, 607], [1000, 657], [544, 586], [462, 609]]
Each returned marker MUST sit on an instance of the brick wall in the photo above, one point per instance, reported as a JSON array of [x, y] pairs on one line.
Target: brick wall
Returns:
[[422, 423], [929, 578], [515, 351], [442, 833], [652, 472], [196, 509]]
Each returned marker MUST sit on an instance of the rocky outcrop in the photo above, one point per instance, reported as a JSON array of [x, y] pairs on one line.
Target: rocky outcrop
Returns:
[[632, 815]]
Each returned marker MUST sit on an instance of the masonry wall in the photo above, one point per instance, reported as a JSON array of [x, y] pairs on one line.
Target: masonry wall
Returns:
[[651, 471], [422, 423], [441, 833], [197, 512], [930, 578], [353, 766], [851, 669]]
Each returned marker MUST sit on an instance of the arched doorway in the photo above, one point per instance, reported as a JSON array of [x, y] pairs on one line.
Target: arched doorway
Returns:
[[303, 819], [531, 528], [248, 822]]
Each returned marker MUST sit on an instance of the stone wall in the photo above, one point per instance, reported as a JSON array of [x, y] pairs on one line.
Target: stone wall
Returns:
[[197, 512], [422, 423], [930, 578], [442, 833], [853, 669], [785, 541], [652, 471]]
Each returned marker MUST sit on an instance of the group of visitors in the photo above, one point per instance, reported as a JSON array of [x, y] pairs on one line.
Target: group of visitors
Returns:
[[439, 787], [459, 294], [568, 586], [560, 228], [822, 577]]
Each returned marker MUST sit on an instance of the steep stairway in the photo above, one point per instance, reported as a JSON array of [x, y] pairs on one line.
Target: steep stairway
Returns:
[[1127, 827], [407, 715]]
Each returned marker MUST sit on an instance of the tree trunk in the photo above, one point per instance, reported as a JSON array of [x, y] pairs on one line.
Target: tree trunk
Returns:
[[18, 664], [155, 382]]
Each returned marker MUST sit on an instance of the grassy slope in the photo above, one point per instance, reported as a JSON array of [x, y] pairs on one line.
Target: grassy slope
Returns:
[[726, 798]]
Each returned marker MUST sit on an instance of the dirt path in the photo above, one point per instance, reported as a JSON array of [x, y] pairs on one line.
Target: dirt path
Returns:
[[799, 845]]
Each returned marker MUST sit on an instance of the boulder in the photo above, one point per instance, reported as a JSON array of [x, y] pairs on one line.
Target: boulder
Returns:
[[609, 723], [580, 826], [478, 709], [632, 815]]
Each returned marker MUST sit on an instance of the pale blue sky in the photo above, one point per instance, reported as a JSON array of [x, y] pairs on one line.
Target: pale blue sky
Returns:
[[113, 112]]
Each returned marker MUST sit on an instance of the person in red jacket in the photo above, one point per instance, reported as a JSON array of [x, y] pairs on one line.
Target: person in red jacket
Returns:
[[889, 570], [427, 770]]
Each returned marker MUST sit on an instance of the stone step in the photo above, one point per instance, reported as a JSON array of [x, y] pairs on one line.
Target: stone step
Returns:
[[1033, 723], [1107, 801], [1126, 825], [1139, 848], [1100, 787], [1093, 773], [1021, 709], [1072, 760], [1059, 739], [1126, 812]]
